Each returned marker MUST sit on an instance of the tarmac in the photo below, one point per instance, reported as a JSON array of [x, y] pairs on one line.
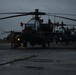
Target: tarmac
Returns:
[[63, 45], [58, 59]]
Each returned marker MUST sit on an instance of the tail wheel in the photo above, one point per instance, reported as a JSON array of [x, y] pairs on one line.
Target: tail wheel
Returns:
[[25, 44], [48, 44], [44, 45]]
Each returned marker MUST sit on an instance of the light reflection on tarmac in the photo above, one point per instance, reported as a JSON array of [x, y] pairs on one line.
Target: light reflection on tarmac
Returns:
[[37, 61]]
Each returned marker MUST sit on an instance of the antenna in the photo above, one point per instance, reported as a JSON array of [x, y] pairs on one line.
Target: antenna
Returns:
[[49, 12]]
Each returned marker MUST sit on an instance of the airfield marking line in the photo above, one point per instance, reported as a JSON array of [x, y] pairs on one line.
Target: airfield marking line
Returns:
[[19, 59]]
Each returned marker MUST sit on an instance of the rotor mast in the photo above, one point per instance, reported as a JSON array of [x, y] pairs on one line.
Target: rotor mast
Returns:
[[37, 14]]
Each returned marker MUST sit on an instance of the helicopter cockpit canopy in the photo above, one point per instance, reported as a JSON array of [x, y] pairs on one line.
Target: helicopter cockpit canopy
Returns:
[[33, 24]]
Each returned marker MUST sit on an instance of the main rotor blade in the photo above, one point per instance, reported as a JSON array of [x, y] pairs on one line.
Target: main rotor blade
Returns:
[[14, 13], [62, 14], [5, 32], [30, 13], [63, 17], [13, 16], [69, 25]]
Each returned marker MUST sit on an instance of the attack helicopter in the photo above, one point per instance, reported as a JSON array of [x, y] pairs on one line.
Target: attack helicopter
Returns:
[[35, 31]]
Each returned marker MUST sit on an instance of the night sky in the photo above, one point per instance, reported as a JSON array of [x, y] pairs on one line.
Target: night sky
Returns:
[[48, 6]]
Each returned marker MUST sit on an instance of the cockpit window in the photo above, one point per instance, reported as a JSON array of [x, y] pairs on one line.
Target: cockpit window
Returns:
[[33, 23], [37, 25]]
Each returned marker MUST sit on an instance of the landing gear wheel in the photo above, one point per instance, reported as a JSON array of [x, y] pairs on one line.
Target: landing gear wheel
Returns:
[[25, 44], [43, 45], [48, 44]]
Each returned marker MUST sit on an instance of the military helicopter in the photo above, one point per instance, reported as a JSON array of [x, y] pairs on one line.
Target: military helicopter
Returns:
[[35, 31]]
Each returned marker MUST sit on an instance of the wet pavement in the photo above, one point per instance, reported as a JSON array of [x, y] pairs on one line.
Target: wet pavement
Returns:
[[37, 61]]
